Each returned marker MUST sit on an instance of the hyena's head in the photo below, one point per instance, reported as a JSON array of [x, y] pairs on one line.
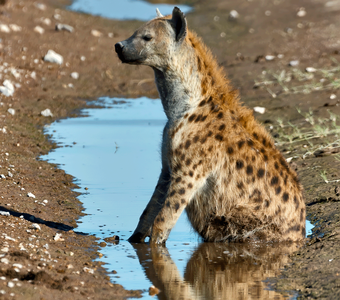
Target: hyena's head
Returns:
[[155, 42]]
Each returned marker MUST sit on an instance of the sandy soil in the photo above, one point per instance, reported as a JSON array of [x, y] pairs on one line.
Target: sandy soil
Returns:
[[50, 268]]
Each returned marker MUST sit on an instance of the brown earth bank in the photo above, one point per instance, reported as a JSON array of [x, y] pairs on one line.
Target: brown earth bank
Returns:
[[255, 48]]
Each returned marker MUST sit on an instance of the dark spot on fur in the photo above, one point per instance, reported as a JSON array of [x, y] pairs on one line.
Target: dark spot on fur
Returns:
[[176, 207], [203, 140], [255, 135], [192, 117], [285, 180], [256, 196], [202, 103], [249, 170], [182, 157], [177, 167], [172, 193], [167, 203], [198, 118], [181, 191], [191, 173], [250, 143], [195, 139], [240, 185], [278, 210], [240, 144], [190, 185], [210, 148], [294, 228], [285, 197], [266, 203], [264, 142], [220, 115], [260, 173], [277, 190], [222, 127], [186, 115], [178, 179], [188, 162], [303, 231], [219, 137], [183, 201], [257, 207], [263, 150], [297, 203], [253, 158], [284, 163], [209, 133], [187, 144], [230, 150], [265, 157], [276, 165], [200, 162], [203, 118], [274, 181], [239, 164]]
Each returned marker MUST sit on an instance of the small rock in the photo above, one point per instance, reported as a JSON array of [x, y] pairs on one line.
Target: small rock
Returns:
[[233, 15], [294, 63], [4, 260], [35, 226], [30, 195], [333, 96], [46, 21], [39, 29], [45, 201], [2, 176], [40, 6], [60, 27], [58, 237], [57, 16], [4, 28], [11, 111], [17, 266], [15, 27], [47, 113], [310, 70], [53, 57], [270, 57], [10, 284], [259, 109], [88, 270], [96, 33], [7, 88], [113, 239], [280, 56], [302, 12], [75, 75], [9, 174], [5, 213], [153, 290], [82, 58]]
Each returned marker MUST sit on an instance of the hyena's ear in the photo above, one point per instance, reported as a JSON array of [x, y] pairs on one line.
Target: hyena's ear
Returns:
[[179, 24]]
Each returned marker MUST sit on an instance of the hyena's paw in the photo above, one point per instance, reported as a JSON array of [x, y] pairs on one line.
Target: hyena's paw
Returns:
[[159, 236]]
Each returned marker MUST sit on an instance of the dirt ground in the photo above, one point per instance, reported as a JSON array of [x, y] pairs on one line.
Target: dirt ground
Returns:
[[257, 50]]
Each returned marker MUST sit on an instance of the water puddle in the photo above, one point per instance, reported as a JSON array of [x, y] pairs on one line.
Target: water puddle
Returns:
[[124, 9], [114, 153]]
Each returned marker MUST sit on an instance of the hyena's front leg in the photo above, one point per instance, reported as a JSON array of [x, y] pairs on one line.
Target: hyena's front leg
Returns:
[[180, 193], [152, 209]]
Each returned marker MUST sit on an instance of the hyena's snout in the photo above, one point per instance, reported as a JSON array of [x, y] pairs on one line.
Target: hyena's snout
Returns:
[[128, 52]]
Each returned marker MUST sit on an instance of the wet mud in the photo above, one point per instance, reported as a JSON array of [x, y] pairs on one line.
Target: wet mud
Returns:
[[301, 113]]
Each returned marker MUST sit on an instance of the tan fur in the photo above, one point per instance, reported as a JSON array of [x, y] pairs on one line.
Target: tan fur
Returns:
[[219, 163]]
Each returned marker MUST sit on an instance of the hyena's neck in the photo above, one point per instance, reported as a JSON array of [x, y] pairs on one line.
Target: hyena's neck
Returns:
[[189, 76]]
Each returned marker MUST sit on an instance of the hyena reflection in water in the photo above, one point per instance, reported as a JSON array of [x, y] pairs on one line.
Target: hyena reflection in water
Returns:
[[218, 162], [217, 270]]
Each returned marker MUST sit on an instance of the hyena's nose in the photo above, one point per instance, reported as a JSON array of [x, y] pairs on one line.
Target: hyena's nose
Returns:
[[119, 48]]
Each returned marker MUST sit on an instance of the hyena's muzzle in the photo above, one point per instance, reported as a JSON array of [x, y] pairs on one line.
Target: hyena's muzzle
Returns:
[[128, 53]]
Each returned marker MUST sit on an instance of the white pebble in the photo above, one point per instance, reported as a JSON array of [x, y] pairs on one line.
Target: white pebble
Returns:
[[4, 249], [60, 27], [2, 292], [267, 13], [2, 176], [57, 16], [30, 195], [310, 70], [15, 27], [58, 237], [294, 63], [10, 284], [7, 88], [280, 56], [11, 111], [333, 96], [36, 226], [53, 57], [40, 6], [4, 213], [234, 14], [47, 113], [88, 270], [82, 58], [46, 21], [45, 201], [259, 109], [9, 174], [270, 57], [301, 12], [17, 266], [39, 29], [4, 260], [4, 28], [96, 33], [75, 75]]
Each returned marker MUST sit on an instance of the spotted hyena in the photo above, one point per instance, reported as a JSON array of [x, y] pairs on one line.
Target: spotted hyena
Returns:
[[218, 162]]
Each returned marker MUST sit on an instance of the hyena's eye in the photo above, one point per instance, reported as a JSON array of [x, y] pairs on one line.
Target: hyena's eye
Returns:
[[147, 37]]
